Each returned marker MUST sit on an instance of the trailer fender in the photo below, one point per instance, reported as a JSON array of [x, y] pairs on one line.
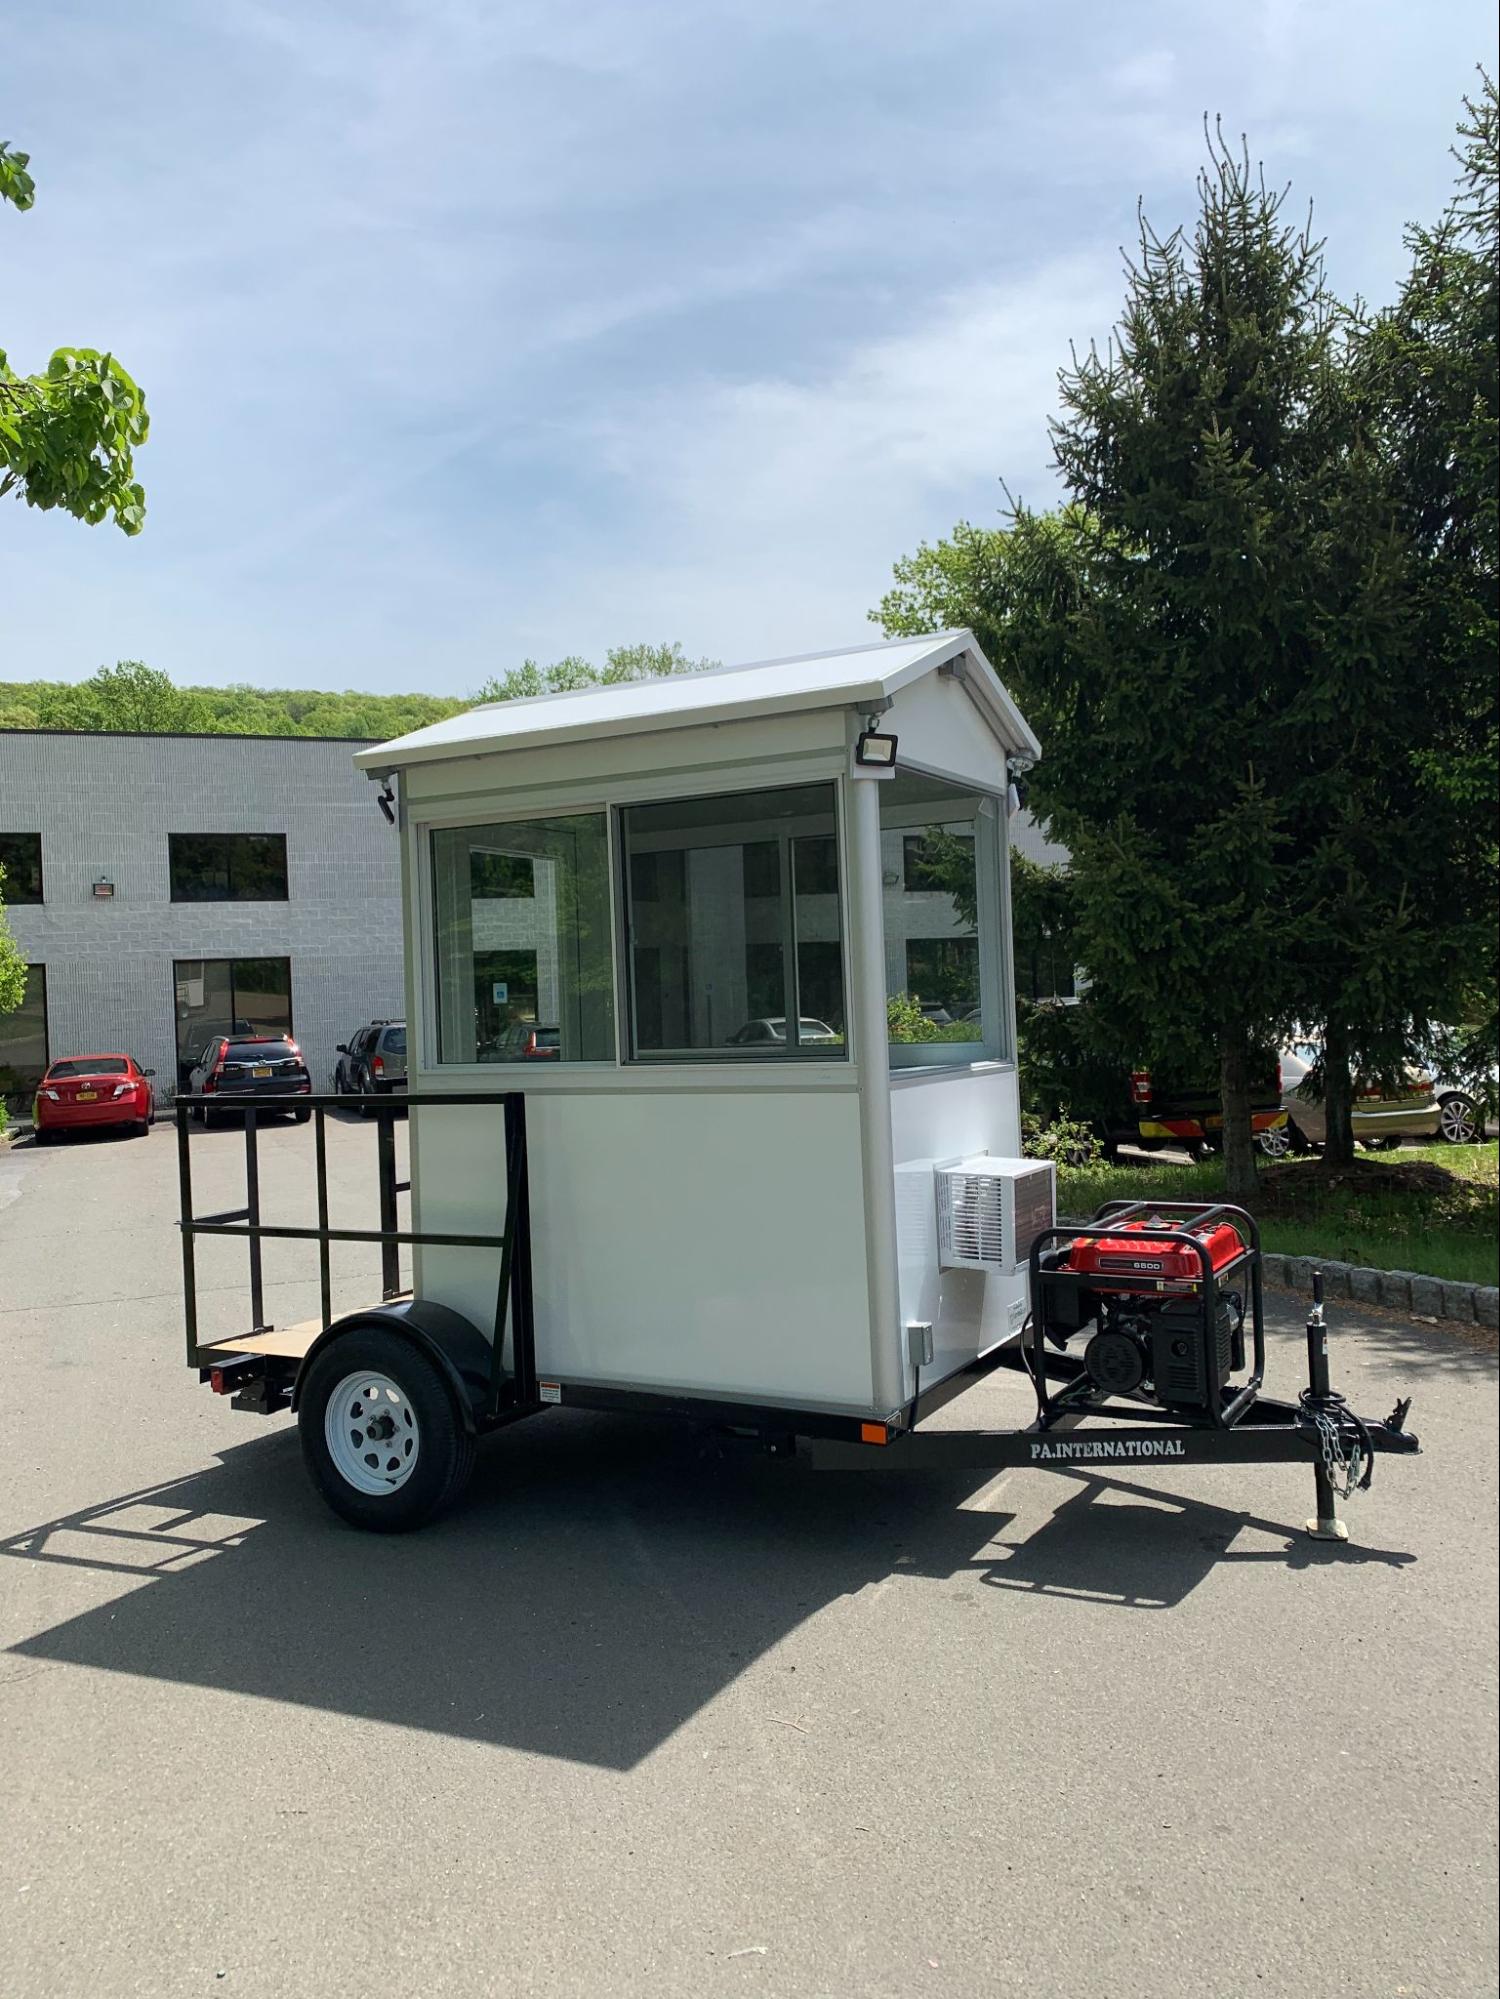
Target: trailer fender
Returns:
[[454, 1343]]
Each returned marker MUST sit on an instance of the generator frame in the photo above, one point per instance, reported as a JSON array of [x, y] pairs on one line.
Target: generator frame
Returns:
[[1204, 1291]]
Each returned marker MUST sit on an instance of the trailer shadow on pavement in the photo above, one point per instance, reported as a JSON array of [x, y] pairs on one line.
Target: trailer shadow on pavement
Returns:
[[602, 1584]]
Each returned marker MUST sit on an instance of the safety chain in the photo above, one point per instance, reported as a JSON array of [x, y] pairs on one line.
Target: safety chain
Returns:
[[1349, 1467]]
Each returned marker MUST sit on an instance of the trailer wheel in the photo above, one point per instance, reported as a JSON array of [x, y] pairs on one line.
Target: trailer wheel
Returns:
[[381, 1435]]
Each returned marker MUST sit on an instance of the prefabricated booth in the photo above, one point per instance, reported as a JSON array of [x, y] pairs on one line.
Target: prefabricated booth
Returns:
[[742, 938]]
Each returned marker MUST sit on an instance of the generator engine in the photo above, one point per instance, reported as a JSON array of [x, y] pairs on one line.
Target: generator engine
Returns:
[[1154, 1328]]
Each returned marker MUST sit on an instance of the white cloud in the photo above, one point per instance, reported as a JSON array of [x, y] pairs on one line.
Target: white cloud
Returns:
[[766, 513]]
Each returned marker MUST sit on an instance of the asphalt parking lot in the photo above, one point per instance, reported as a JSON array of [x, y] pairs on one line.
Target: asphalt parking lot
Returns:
[[638, 1719]]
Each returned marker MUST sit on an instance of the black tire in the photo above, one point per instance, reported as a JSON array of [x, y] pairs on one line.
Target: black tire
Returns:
[[301, 1117], [445, 1446], [1460, 1120], [141, 1129]]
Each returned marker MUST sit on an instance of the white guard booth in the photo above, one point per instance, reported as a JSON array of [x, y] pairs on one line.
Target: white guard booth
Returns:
[[742, 938]]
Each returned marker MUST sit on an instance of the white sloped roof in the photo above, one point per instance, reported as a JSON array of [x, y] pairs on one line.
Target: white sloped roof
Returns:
[[868, 673]]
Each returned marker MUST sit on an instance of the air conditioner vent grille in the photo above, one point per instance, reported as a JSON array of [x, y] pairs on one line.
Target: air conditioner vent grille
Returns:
[[990, 1212], [976, 1218]]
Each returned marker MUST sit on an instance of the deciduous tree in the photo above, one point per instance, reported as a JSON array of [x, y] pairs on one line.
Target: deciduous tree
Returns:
[[68, 436]]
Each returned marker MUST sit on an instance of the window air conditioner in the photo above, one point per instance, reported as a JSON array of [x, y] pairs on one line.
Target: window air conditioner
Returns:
[[990, 1212]]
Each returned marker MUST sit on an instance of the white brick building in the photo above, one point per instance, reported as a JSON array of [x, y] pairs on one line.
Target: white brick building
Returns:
[[140, 945]]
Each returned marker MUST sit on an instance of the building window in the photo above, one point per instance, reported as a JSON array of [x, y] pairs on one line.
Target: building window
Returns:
[[943, 958], [926, 866], [23, 1040], [525, 963], [20, 868], [734, 924], [217, 996], [227, 867]]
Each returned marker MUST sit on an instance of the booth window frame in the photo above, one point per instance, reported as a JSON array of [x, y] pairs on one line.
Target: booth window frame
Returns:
[[996, 1042], [523, 804], [631, 1054], [425, 904]]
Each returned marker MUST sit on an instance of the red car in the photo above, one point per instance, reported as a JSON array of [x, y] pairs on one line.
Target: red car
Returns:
[[81, 1091]]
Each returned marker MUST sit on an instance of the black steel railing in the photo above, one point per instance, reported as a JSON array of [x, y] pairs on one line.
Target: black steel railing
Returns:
[[513, 1296]]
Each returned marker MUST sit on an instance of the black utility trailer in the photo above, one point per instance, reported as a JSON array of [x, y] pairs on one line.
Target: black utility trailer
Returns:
[[392, 1397]]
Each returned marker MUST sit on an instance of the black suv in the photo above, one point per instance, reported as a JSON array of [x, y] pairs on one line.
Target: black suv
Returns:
[[373, 1062], [236, 1067]]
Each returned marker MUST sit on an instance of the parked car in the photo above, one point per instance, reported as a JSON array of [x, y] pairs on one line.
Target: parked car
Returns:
[[232, 1071], [1382, 1115], [1187, 1112], [1070, 1070], [770, 1032], [79, 1092], [372, 1063], [525, 1041]]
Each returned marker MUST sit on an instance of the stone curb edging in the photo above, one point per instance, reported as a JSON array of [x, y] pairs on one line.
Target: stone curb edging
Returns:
[[1401, 1290]]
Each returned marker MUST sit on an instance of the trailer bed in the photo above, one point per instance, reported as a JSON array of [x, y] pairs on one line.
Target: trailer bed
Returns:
[[283, 1342]]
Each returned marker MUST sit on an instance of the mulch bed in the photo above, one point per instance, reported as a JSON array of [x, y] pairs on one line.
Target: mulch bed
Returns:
[[1289, 1190]]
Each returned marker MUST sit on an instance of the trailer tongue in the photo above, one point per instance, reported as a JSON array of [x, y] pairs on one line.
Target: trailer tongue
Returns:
[[1161, 1292]]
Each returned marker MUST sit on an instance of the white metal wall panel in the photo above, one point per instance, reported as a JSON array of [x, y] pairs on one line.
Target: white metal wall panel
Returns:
[[939, 728], [941, 1118], [707, 1241]]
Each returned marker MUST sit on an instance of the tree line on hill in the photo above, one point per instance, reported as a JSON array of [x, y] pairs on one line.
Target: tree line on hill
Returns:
[[132, 696]]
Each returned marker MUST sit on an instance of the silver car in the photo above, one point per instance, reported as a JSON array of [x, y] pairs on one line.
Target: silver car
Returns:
[[1380, 1120], [770, 1032]]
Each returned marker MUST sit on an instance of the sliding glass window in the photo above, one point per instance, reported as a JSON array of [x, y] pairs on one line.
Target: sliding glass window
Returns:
[[525, 965], [735, 926]]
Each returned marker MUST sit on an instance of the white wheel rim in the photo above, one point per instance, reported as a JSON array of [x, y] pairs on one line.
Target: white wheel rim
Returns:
[[1275, 1143], [371, 1431], [1457, 1124]]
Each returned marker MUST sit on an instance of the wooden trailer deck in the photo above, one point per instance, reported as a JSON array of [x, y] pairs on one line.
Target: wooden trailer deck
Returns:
[[287, 1342]]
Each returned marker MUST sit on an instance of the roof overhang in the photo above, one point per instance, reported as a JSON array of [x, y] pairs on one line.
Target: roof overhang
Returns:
[[874, 677]]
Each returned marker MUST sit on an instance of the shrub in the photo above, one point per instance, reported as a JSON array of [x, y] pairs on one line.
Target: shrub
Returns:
[[905, 1020], [1064, 1140]]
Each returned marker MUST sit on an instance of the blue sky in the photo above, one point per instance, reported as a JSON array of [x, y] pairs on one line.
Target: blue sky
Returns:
[[476, 331]]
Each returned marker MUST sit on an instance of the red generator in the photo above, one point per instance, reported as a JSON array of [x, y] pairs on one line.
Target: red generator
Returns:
[[1160, 1294]]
